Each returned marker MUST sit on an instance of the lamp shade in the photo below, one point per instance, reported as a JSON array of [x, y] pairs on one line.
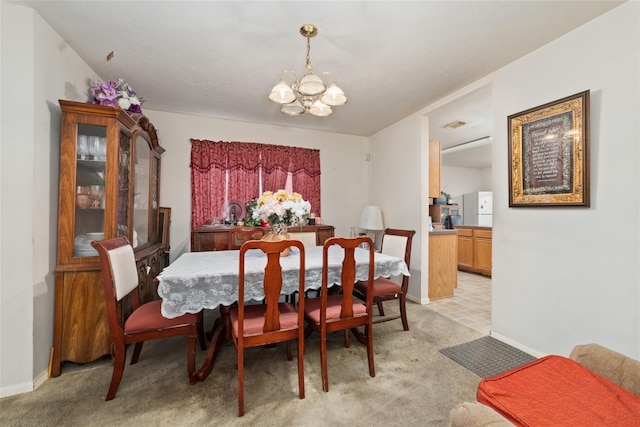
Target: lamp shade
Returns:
[[320, 109], [334, 96], [371, 218], [282, 93], [293, 109], [311, 85]]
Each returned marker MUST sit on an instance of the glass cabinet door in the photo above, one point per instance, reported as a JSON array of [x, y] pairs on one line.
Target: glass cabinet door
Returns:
[[91, 160], [141, 202], [154, 219], [122, 195]]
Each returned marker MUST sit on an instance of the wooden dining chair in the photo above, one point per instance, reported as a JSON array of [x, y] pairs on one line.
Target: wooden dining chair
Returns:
[[238, 235], [145, 323], [340, 311], [271, 321], [396, 243]]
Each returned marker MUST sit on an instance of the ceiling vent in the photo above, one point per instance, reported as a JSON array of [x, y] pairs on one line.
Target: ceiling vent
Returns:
[[456, 124]]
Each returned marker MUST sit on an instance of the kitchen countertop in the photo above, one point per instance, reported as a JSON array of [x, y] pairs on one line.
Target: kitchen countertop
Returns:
[[483, 227], [442, 231]]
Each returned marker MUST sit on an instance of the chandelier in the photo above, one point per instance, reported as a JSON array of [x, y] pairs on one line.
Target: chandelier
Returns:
[[310, 94]]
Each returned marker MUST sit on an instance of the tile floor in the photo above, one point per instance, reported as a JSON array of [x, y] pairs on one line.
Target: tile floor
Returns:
[[470, 304]]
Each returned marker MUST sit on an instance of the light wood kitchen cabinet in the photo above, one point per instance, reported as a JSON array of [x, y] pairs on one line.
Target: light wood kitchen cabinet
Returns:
[[482, 260], [474, 249], [465, 248], [109, 186], [443, 272], [434, 169]]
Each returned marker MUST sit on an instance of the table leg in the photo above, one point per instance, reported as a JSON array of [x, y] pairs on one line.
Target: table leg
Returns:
[[220, 332], [362, 338]]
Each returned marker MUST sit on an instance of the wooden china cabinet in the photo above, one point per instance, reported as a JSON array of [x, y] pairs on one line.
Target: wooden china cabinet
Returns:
[[109, 186]]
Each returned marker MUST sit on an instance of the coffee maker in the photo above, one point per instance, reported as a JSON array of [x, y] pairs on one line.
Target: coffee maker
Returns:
[[450, 221]]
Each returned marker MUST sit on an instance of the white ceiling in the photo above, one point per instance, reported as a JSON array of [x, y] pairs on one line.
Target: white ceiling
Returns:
[[472, 140], [392, 58]]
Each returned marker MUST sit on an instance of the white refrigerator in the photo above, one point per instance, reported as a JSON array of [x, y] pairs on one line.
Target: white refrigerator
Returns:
[[477, 208]]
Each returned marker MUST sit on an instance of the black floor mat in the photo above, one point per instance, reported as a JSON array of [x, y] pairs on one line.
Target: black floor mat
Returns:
[[487, 356]]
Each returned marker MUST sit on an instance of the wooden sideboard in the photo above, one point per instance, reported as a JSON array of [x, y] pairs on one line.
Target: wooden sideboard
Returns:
[[214, 238]]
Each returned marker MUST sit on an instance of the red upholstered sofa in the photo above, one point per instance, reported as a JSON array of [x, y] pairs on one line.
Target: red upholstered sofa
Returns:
[[595, 386]]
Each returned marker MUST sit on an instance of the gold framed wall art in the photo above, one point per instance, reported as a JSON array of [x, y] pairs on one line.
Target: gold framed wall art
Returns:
[[549, 154]]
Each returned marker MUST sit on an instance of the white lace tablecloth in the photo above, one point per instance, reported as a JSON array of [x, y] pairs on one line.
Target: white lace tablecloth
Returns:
[[198, 280]]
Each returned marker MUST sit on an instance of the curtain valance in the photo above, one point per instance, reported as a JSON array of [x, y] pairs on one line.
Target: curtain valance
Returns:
[[251, 155], [224, 155]]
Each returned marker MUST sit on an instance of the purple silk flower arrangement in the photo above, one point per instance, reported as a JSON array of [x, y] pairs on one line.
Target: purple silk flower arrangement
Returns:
[[117, 94]]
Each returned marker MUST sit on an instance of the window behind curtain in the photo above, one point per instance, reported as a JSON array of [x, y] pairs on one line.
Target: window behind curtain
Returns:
[[224, 172]]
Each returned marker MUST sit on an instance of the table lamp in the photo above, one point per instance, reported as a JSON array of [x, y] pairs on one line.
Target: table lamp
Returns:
[[371, 220]]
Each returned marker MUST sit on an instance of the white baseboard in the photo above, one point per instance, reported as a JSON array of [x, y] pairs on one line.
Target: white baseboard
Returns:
[[40, 379], [16, 389], [517, 345], [25, 387], [422, 301]]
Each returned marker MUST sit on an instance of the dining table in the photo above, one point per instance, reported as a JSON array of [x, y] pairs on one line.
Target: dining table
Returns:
[[208, 280]]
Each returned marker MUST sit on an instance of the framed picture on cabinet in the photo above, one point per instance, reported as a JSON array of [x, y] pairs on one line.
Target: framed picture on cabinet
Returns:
[[165, 222], [549, 154]]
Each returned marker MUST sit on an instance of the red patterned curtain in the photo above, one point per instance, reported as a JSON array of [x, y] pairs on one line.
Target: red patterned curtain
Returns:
[[276, 160], [244, 173], [223, 172], [208, 175], [305, 168]]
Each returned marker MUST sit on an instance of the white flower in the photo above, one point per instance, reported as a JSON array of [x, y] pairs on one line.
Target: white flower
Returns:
[[124, 103], [281, 207]]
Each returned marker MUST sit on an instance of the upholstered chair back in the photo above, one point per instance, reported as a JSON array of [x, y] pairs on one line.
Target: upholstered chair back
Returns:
[[123, 270], [395, 246]]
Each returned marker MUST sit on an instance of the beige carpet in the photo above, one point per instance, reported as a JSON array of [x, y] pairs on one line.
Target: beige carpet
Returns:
[[415, 384]]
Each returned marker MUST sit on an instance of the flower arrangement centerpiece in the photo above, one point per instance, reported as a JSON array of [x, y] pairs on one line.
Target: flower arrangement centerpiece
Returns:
[[280, 210], [251, 206], [117, 94]]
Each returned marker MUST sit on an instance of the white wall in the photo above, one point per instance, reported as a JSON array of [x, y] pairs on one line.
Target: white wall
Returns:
[[457, 181], [567, 276], [37, 69], [344, 179], [17, 205], [399, 172]]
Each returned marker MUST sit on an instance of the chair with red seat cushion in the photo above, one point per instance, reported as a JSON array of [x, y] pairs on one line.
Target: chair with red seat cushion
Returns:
[[396, 243], [341, 312], [271, 321], [120, 281]]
